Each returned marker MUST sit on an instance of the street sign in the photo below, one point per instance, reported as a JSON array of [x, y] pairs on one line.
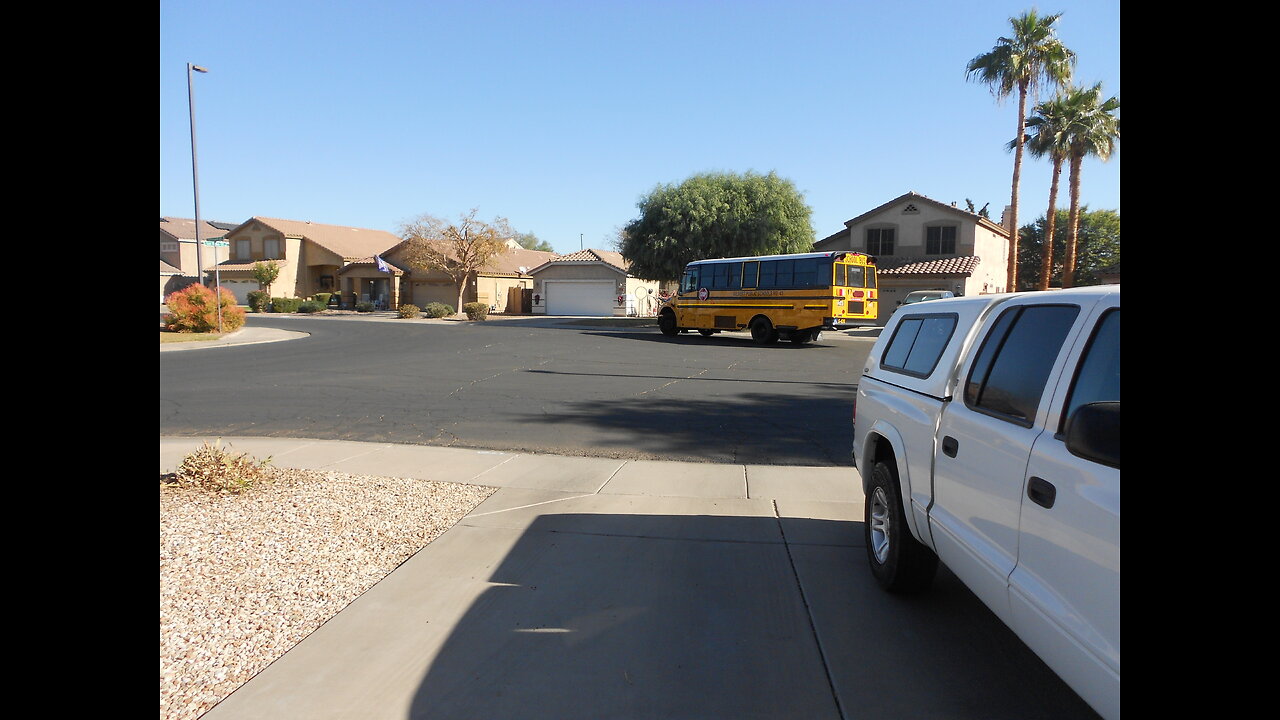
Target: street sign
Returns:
[[216, 242]]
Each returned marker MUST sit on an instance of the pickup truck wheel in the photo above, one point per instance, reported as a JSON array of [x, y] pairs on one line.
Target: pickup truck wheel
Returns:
[[899, 562]]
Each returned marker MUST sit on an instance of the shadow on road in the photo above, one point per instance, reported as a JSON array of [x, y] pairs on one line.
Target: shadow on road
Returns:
[[808, 425]]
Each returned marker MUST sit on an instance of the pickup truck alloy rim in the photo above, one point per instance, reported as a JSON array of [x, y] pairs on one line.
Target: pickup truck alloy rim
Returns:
[[880, 525]]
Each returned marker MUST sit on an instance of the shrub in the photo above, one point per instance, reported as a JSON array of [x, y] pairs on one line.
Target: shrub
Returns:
[[194, 310], [476, 311], [285, 305], [310, 306], [364, 307], [258, 301], [323, 298], [437, 310], [212, 468], [410, 311]]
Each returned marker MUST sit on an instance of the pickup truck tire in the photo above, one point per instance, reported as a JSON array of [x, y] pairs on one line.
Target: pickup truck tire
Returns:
[[899, 562]]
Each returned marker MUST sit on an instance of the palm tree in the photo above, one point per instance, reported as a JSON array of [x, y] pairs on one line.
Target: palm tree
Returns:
[[1047, 136], [1034, 55], [1091, 130]]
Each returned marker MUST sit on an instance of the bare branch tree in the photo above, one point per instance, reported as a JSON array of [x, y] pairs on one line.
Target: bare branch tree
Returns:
[[456, 249]]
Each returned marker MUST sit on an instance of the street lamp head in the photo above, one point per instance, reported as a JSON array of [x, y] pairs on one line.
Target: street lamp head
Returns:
[[197, 68]]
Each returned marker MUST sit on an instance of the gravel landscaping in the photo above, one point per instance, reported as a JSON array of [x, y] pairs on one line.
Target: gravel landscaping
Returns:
[[244, 578]]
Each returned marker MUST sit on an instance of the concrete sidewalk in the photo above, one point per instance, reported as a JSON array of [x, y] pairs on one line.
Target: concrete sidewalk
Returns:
[[597, 588]]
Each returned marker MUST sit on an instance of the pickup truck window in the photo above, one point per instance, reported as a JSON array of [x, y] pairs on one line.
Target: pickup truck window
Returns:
[[1098, 379], [1009, 374], [917, 343]]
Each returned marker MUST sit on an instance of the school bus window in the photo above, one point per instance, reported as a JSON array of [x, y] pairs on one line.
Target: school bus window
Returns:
[[725, 276], [841, 274], [750, 273], [857, 276], [806, 273], [690, 283]]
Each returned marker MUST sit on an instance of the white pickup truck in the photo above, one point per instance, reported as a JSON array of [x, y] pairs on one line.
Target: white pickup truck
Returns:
[[987, 435]]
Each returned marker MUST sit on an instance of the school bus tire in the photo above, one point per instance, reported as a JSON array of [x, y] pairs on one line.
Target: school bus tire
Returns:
[[763, 332], [667, 323]]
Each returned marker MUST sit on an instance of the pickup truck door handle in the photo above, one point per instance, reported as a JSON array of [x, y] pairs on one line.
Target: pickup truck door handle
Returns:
[[1042, 492], [950, 446]]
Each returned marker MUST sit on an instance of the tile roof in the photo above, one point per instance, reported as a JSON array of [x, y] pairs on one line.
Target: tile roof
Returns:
[[896, 267], [510, 262], [591, 255], [167, 269], [349, 242], [185, 228], [233, 266]]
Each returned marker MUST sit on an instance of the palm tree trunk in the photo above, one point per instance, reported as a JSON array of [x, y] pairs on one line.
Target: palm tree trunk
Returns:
[[1046, 264], [1069, 259], [1012, 271]]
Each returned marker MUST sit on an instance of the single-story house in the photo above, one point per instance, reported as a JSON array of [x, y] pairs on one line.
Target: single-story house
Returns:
[[591, 282], [923, 244], [500, 284]]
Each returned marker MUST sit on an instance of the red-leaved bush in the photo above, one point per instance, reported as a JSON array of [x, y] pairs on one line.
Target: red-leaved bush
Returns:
[[192, 310]]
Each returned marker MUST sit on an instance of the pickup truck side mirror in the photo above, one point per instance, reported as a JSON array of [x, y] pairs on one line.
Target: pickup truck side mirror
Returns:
[[1093, 433]]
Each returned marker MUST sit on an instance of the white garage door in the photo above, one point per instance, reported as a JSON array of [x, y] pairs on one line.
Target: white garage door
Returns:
[[240, 289], [581, 298]]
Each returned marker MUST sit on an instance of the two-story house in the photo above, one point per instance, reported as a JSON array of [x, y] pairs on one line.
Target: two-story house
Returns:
[[178, 251], [922, 244], [309, 254]]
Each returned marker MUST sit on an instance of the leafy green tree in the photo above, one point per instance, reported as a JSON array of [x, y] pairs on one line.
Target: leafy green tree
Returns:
[[1092, 129], [266, 273], [1099, 246], [529, 241], [1021, 63], [714, 215]]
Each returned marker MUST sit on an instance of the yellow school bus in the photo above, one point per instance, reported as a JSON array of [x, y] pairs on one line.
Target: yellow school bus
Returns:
[[789, 297]]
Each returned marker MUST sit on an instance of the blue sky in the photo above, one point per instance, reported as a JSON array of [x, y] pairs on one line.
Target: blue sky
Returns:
[[559, 115]]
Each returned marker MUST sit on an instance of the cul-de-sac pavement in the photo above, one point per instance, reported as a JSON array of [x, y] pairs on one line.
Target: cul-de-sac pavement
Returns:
[[677, 531]]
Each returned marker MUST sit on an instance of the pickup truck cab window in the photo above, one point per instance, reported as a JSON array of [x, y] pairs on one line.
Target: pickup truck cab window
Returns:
[[917, 344], [1099, 377], [1011, 370]]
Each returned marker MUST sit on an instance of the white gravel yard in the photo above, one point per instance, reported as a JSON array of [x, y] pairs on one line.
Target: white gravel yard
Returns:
[[244, 578]]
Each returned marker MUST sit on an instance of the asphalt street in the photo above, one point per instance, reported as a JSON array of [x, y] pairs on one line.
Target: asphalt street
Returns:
[[515, 385]]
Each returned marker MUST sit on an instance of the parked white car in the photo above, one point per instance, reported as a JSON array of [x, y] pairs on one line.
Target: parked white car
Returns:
[[924, 295], [987, 436]]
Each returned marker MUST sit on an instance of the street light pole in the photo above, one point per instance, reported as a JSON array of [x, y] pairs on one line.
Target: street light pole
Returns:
[[195, 173]]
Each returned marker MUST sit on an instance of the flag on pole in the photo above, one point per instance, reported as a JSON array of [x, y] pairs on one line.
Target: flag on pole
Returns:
[[382, 264]]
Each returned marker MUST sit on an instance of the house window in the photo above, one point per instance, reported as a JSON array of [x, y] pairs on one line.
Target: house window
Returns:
[[271, 248], [242, 250], [940, 240], [168, 246], [880, 241]]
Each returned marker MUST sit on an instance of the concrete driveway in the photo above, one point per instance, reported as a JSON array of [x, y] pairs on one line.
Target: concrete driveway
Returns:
[[598, 588]]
